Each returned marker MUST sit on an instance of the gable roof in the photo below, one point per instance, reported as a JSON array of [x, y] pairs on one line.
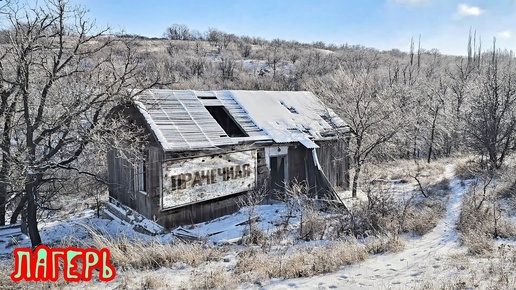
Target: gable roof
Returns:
[[180, 120]]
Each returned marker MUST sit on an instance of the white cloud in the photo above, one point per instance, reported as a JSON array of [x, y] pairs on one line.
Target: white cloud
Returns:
[[466, 10], [505, 34]]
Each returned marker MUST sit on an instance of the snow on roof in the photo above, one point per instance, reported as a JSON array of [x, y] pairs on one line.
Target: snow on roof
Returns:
[[291, 116], [180, 120]]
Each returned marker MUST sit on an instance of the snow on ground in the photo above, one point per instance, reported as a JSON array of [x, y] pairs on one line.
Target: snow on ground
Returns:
[[77, 227], [426, 258], [229, 229], [421, 260]]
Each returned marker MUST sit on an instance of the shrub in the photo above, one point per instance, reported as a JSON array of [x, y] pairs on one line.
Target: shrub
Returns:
[[214, 278]]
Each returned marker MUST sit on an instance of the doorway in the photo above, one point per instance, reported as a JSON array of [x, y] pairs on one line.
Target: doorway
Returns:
[[278, 177]]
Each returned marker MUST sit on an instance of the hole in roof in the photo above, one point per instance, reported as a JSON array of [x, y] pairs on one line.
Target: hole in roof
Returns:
[[226, 122], [328, 120], [291, 109], [207, 97]]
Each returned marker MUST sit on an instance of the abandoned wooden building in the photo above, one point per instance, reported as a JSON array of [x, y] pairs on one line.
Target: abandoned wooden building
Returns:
[[207, 148]]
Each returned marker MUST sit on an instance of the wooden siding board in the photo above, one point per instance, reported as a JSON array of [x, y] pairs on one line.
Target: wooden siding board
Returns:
[[334, 161], [120, 181]]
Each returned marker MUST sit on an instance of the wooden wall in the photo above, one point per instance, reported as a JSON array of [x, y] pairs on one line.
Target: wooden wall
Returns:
[[121, 172], [120, 178], [302, 168], [334, 159], [199, 212]]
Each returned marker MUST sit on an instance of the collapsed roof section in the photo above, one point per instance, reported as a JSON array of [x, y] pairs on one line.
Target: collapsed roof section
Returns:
[[291, 116], [194, 120]]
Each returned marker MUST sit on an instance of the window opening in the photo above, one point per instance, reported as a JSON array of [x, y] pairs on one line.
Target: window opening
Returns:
[[140, 174]]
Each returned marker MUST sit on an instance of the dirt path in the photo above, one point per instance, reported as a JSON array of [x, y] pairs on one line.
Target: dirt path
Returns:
[[421, 259]]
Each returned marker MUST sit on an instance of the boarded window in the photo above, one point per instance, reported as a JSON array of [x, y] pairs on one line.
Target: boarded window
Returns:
[[220, 114], [139, 178]]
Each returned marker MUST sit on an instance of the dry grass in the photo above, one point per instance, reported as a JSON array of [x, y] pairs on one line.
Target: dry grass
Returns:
[[394, 213], [423, 216], [438, 189], [384, 215], [485, 212], [153, 281], [383, 245], [214, 278], [477, 243], [7, 284], [149, 254], [255, 265], [476, 230], [313, 224], [405, 170], [468, 168], [154, 254], [473, 272]]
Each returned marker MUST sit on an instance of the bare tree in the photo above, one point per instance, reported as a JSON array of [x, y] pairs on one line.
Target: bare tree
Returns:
[[227, 66], [491, 120], [462, 76], [366, 104], [245, 49], [221, 40], [178, 32], [434, 105], [65, 75], [274, 55]]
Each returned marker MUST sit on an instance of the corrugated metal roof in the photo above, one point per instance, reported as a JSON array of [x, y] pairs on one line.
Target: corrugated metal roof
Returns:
[[180, 120]]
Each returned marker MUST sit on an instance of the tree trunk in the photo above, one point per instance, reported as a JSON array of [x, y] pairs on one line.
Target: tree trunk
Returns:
[[356, 177], [18, 209], [432, 136], [32, 220], [3, 188], [414, 148], [2, 203], [5, 146], [495, 220]]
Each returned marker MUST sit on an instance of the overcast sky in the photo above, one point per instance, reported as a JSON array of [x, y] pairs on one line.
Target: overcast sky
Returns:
[[382, 24]]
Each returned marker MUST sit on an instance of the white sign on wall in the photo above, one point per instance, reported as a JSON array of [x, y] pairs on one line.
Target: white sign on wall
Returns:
[[202, 178]]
